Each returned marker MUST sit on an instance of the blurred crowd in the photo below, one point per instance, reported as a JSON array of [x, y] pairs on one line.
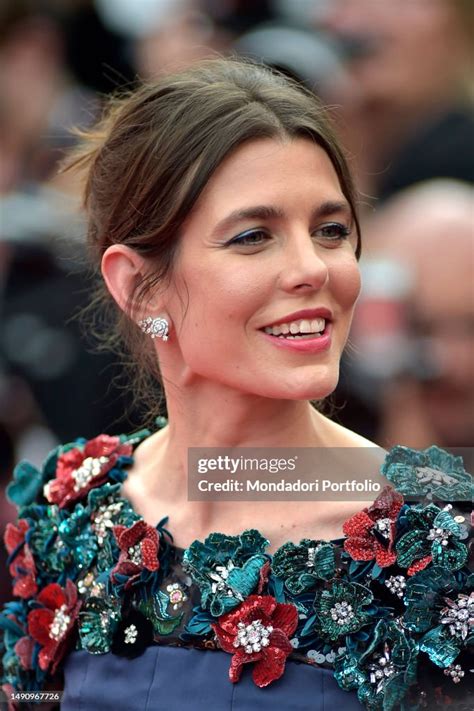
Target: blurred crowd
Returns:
[[398, 78]]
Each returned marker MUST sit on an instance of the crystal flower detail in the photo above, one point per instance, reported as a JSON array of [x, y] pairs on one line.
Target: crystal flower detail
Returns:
[[253, 637], [177, 596], [381, 669], [342, 612], [396, 584], [340, 608], [454, 671], [459, 615], [132, 635], [258, 631]]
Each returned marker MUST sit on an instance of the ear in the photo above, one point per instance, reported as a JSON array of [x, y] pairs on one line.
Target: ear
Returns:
[[123, 270]]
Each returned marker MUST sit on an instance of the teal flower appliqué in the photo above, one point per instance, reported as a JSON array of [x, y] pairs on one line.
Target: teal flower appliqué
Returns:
[[340, 608], [28, 481], [226, 568], [300, 566], [431, 471], [383, 673], [433, 536], [441, 605]]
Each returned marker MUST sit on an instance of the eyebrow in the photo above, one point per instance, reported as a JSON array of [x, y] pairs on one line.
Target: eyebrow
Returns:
[[269, 212]]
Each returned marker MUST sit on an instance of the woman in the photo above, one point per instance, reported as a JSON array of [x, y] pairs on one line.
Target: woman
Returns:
[[223, 216]]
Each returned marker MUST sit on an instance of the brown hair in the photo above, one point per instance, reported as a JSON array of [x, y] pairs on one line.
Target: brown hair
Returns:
[[153, 153]]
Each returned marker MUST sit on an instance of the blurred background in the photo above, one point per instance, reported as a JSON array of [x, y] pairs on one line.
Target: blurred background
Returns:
[[399, 80]]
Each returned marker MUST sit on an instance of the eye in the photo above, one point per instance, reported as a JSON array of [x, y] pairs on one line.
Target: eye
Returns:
[[334, 231], [254, 238]]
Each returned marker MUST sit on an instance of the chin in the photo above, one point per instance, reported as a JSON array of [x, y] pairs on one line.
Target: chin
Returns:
[[310, 385]]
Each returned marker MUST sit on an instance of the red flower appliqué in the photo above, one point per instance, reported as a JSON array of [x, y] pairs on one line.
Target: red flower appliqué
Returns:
[[22, 565], [257, 631], [82, 468], [139, 547], [52, 625], [371, 532]]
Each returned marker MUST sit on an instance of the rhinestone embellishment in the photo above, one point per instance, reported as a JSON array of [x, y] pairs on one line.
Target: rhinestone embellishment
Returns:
[[459, 615], [396, 584], [104, 520], [342, 612], [219, 576], [455, 671], [135, 554], [383, 526], [60, 623], [441, 535], [130, 634], [177, 595], [381, 669], [310, 563], [90, 468], [253, 636]]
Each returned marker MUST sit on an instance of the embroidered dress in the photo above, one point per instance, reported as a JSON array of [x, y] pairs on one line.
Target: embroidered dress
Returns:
[[108, 608]]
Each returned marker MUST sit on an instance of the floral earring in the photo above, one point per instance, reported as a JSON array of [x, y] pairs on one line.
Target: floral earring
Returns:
[[155, 327]]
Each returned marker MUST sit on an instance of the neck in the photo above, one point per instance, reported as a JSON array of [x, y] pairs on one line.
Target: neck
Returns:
[[224, 417], [221, 417]]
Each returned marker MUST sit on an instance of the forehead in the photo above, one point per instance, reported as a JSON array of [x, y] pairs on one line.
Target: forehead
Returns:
[[289, 173]]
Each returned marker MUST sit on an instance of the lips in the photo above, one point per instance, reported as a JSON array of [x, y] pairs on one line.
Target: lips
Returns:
[[308, 314], [310, 344]]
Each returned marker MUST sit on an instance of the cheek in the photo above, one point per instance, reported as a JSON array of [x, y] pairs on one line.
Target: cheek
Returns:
[[346, 283], [224, 296], [215, 304]]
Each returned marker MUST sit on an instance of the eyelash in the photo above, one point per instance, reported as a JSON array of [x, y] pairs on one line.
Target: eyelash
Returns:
[[344, 233]]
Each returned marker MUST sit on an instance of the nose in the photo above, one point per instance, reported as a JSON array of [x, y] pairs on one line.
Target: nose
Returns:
[[303, 268]]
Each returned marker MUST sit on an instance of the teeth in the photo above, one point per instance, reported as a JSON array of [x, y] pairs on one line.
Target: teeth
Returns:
[[303, 326]]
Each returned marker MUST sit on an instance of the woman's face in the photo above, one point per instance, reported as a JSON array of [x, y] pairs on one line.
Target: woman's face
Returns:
[[271, 235]]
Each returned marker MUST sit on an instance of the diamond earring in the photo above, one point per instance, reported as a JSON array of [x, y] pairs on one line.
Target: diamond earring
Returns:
[[156, 327]]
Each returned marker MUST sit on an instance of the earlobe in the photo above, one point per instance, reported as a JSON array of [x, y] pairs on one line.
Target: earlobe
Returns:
[[122, 269]]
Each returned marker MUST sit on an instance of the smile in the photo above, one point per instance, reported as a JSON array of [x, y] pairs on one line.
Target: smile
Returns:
[[303, 328], [300, 337]]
